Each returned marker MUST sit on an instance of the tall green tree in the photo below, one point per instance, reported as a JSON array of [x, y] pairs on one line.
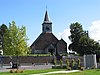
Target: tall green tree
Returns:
[[15, 40], [3, 30], [76, 31], [81, 42], [86, 45]]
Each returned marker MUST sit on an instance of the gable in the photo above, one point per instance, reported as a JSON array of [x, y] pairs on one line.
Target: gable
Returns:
[[44, 40], [62, 46]]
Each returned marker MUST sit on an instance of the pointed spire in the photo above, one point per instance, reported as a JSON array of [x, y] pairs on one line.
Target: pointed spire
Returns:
[[46, 25], [46, 16]]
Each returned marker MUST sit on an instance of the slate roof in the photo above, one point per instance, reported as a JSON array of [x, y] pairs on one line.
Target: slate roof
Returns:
[[44, 40]]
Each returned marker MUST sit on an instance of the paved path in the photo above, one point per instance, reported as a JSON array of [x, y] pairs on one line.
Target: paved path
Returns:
[[57, 72], [29, 67], [26, 67]]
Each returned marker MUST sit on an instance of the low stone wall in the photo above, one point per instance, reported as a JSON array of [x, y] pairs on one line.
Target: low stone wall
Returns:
[[37, 59], [27, 59]]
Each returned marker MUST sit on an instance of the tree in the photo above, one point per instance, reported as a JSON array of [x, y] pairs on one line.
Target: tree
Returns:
[[15, 40], [76, 31], [3, 30], [97, 50], [85, 44], [81, 42]]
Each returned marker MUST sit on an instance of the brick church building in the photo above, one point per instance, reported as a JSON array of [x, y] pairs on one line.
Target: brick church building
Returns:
[[47, 42]]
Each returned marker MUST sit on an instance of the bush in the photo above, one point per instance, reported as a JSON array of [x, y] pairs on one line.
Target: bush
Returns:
[[12, 71], [55, 62], [93, 67], [78, 64], [68, 68], [61, 63], [67, 63], [72, 63], [16, 71], [82, 68]]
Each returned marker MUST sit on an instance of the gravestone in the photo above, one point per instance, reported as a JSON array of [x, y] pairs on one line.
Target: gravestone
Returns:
[[90, 61]]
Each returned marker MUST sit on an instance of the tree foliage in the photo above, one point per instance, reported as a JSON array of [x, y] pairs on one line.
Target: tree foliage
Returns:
[[76, 31], [15, 40], [3, 30], [81, 42]]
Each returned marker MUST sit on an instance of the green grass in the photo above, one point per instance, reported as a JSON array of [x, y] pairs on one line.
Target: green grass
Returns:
[[44, 55], [33, 55], [85, 72], [27, 72], [39, 55]]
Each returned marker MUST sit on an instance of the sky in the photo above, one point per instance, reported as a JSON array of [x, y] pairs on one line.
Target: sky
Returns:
[[30, 13]]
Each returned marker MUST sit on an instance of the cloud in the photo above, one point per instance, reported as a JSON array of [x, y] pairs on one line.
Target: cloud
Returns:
[[94, 30], [64, 35]]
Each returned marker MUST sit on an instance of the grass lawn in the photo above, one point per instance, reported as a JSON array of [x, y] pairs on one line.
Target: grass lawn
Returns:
[[85, 72], [27, 72], [39, 55]]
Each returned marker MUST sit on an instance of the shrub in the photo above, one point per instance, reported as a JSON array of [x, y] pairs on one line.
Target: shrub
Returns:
[[55, 62], [93, 67], [79, 63], [67, 63], [61, 63], [68, 68], [72, 63], [16, 71], [12, 71], [82, 68]]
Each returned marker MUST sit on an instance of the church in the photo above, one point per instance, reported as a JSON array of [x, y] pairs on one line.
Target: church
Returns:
[[47, 43]]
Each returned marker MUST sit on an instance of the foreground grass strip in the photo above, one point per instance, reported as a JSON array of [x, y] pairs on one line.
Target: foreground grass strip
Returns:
[[85, 72], [28, 72], [56, 72]]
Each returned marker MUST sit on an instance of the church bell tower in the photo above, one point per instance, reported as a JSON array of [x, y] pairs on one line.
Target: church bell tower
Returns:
[[46, 25]]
